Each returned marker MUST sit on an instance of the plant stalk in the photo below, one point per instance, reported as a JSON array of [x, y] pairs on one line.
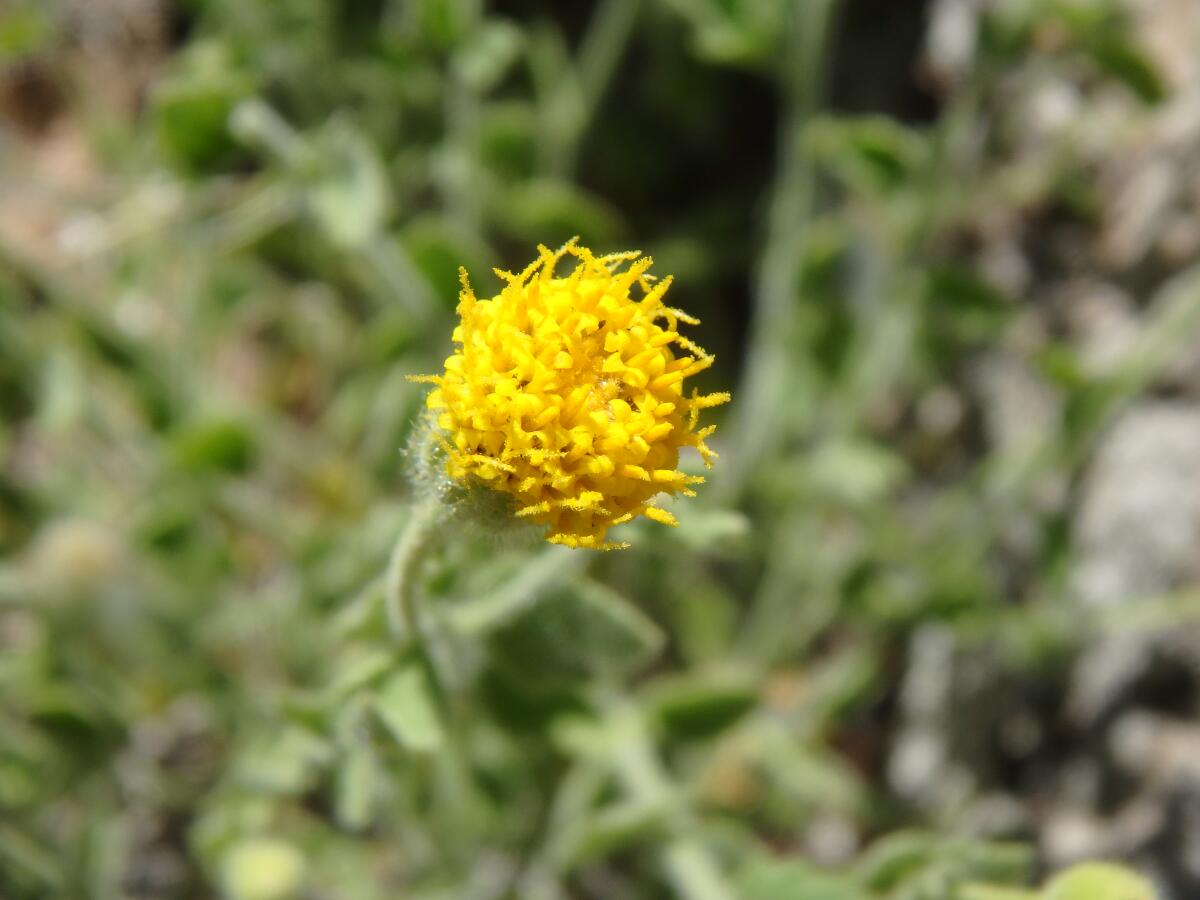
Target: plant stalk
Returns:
[[401, 594], [756, 418]]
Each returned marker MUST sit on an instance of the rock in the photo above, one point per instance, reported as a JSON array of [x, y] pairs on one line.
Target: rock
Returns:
[[1138, 525]]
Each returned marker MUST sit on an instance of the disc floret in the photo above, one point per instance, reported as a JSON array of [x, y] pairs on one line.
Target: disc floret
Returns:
[[567, 394]]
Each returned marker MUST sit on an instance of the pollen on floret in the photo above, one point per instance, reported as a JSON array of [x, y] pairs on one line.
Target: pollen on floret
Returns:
[[567, 394]]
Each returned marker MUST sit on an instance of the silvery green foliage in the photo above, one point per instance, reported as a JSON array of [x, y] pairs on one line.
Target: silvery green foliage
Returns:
[[966, 233]]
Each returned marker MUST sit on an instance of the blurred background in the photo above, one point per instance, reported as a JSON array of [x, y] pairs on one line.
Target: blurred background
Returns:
[[929, 631]]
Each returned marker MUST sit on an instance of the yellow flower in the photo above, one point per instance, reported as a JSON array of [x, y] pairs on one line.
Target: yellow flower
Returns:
[[568, 394]]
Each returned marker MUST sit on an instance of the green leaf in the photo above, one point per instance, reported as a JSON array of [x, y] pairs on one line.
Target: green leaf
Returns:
[[356, 787], [912, 861], [700, 706], [262, 868], [873, 154], [1127, 63], [805, 774], [989, 892], [441, 23], [895, 858], [191, 108], [221, 446], [24, 32], [788, 879], [522, 705], [407, 706], [734, 32], [489, 54], [438, 245], [285, 763], [967, 307], [508, 139], [358, 667], [711, 529], [1119, 57], [855, 472], [350, 196], [28, 862], [1098, 881], [550, 212], [577, 632], [622, 825], [996, 862]]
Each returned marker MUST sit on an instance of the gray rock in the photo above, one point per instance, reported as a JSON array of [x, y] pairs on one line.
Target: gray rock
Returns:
[[1138, 526]]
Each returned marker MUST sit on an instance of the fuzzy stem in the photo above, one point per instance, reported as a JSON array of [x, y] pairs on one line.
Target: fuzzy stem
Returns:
[[400, 582]]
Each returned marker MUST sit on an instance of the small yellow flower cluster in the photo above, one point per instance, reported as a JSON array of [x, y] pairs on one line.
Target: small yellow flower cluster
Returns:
[[567, 394]]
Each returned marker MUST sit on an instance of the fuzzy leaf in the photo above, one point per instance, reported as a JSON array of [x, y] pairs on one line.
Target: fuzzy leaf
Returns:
[[406, 705]]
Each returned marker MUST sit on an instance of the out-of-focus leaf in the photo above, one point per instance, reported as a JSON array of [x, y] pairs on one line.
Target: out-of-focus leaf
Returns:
[[507, 139], [214, 446], [734, 32], [1124, 60], [286, 763], [577, 632], [612, 829], [995, 862], [359, 667], [24, 31], [989, 892], [350, 196], [407, 706], [489, 54], [810, 777], [711, 529], [791, 879], [262, 868], [855, 472], [966, 307], [698, 706], [913, 861], [69, 716], [438, 248], [550, 212], [357, 783], [894, 858], [191, 109], [1098, 881], [1105, 35], [29, 863], [443, 23], [106, 855], [525, 707], [873, 153]]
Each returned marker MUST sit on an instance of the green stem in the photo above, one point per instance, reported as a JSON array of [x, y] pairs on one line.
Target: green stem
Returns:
[[575, 102], [401, 582], [602, 48], [756, 419], [693, 873], [551, 566], [389, 265], [256, 122]]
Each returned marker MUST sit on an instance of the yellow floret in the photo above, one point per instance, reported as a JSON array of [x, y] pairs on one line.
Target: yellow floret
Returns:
[[567, 394]]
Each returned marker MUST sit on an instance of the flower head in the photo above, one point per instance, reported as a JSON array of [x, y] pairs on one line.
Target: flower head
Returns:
[[567, 394]]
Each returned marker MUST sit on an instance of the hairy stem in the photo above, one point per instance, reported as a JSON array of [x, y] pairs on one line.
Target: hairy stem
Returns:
[[401, 582]]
